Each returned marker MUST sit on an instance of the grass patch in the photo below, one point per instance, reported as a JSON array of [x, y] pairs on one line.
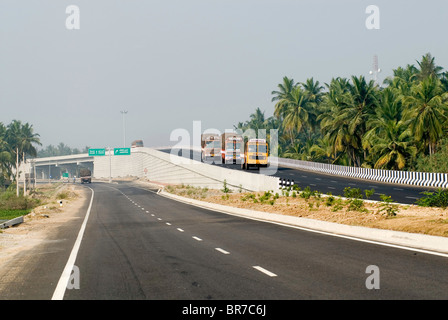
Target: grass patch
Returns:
[[11, 214]]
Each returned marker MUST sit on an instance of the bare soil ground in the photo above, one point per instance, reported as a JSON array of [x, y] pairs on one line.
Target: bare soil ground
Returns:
[[407, 218], [42, 221]]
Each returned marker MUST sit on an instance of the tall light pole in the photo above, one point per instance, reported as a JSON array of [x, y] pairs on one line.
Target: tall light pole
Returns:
[[123, 112]]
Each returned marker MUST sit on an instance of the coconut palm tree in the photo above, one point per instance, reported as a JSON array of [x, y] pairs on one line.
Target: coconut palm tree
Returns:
[[5, 157], [428, 68], [426, 110], [284, 92], [297, 111], [394, 147], [21, 139]]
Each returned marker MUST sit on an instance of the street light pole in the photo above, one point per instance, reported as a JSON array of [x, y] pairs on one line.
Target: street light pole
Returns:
[[123, 112]]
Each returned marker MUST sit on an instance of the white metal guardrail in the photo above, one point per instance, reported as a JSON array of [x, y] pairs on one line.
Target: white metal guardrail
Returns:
[[425, 179]]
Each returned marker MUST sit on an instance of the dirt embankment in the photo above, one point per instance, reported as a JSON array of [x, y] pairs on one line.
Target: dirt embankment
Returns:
[[42, 220], [407, 218]]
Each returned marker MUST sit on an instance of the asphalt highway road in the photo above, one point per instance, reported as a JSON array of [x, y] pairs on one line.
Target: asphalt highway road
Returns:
[[334, 184], [140, 245]]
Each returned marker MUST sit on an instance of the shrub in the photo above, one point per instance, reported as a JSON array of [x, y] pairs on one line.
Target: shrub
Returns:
[[352, 193], [434, 199], [225, 189], [386, 207]]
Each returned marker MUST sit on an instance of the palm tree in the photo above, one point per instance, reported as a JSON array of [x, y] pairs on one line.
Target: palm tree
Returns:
[[297, 111], [284, 91], [315, 94], [394, 147], [345, 122], [426, 111], [21, 138], [323, 151], [428, 68], [5, 157]]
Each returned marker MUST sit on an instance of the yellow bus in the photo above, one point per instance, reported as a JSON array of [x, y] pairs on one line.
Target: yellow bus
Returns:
[[256, 152]]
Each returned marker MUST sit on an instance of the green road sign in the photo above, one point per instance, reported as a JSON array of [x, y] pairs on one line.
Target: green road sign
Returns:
[[97, 152], [122, 151], [65, 174]]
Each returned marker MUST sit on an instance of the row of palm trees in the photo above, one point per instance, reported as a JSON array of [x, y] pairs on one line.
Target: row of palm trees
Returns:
[[358, 123], [17, 142]]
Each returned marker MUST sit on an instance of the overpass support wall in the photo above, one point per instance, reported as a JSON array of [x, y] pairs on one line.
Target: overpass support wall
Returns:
[[166, 168]]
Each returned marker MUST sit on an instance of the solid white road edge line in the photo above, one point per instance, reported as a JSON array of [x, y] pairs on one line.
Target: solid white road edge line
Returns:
[[65, 276]]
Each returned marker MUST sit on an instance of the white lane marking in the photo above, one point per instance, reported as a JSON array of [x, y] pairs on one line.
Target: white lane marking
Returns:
[[152, 215], [159, 219], [168, 224], [147, 211], [222, 251], [331, 188], [65, 276], [143, 208], [269, 273], [412, 198], [398, 189], [196, 238], [180, 229]]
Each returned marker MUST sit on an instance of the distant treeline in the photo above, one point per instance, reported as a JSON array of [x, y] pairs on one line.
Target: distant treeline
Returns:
[[60, 150], [401, 124]]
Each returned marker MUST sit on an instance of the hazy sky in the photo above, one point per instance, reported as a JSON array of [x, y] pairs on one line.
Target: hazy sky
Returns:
[[169, 63]]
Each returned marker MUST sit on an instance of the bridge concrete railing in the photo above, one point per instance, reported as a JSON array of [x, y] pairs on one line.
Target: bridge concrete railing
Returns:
[[425, 179], [168, 168]]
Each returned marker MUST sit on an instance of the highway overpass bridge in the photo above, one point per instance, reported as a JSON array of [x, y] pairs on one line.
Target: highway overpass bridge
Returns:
[[167, 167], [53, 168]]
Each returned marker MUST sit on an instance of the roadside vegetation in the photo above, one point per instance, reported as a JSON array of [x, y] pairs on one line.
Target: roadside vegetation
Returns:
[[12, 206], [17, 144], [400, 125], [353, 208]]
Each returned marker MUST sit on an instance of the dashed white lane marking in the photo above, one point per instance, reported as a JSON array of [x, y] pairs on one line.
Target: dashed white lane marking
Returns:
[[180, 229], [152, 215], [196, 238], [267, 272], [168, 224], [159, 219], [147, 211], [222, 251]]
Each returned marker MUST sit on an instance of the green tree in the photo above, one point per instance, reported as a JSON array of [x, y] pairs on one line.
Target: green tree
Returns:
[[426, 112], [21, 139], [428, 68]]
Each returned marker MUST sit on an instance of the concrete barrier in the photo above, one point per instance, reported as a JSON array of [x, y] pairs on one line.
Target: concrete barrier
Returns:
[[168, 168], [12, 222]]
